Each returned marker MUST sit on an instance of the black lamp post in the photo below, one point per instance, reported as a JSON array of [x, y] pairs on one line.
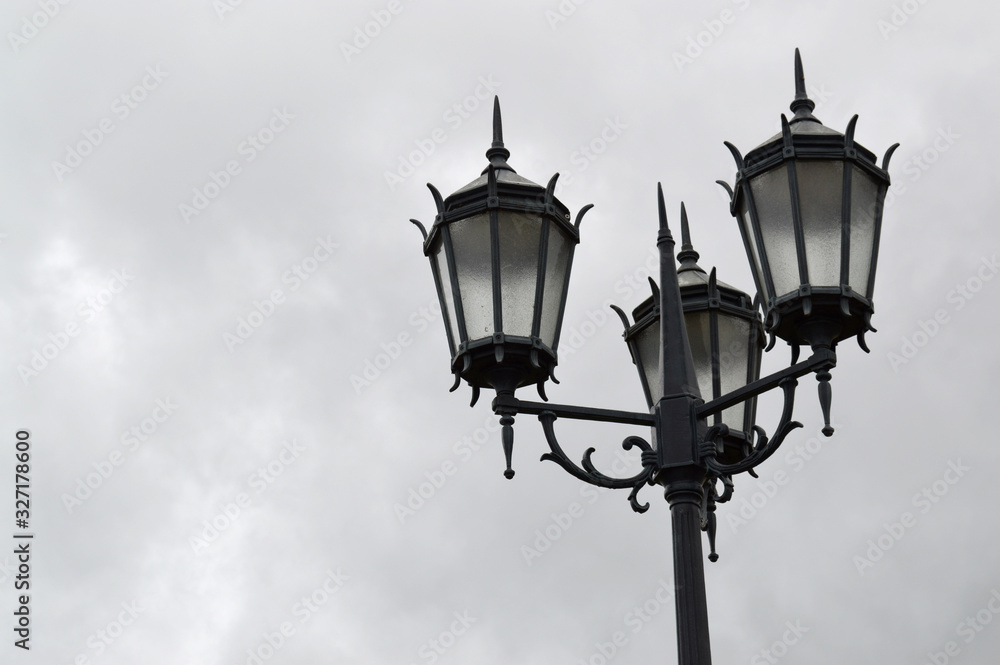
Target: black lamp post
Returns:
[[809, 207]]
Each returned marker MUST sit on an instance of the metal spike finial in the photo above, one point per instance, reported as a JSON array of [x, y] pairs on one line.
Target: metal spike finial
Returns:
[[688, 257], [801, 106], [664, 228], [498, 154]]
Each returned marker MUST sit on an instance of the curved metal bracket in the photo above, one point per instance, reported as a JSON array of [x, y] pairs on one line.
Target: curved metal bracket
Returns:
[[761, 449], [588, 473]]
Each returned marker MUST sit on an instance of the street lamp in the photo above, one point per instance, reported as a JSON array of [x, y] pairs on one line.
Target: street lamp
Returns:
[[501, 249], [809, 207]]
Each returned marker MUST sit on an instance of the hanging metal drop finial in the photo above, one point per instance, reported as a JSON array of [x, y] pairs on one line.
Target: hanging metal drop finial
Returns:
[[498, 154], [801, 106], [688, 257]]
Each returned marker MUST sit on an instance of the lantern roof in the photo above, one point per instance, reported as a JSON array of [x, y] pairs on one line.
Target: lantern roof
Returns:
[[805, 132], [498, 154], [693, 279], [803, 122]]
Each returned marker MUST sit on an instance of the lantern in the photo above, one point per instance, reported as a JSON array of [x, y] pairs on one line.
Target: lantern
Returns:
[[725, 337], [809, 206], [501, 250]]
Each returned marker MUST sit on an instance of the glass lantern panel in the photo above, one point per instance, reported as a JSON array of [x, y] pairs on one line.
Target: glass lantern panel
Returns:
[[734, 356], [439, 264], [774, 214], [821, 195], [520, 234], [699, 333], [754, 254], [556, 273], [864, 202], [647, 348], [470, 240]]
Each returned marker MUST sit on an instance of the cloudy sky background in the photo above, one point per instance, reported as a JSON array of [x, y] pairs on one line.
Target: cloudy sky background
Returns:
[[149, 424]]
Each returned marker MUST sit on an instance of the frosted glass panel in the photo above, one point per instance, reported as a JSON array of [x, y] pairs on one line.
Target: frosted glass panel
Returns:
[[470, 239], [748, 229], [648, 349], [520, 234], [774, 213], [700, 341], [440, 268], [733, 357], [821, 194], [864, 197], [560, 247]]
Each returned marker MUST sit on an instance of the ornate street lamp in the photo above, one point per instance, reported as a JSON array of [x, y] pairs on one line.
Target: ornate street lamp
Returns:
[[809, 206], [726, 338], [501, 249]]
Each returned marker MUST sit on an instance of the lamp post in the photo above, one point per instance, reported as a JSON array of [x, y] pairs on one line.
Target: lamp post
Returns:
[[808, 203]]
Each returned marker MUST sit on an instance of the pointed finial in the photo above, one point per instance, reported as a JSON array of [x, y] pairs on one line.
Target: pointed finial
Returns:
[[498, 154], [687, 256], [801, 106], [664, 228]]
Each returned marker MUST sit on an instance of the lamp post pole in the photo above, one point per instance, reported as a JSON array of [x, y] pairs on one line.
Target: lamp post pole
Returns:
[[681, 476], [809, 205]]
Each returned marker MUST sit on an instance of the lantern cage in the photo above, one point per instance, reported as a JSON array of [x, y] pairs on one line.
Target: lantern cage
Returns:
[[809, 205], [501, 250]]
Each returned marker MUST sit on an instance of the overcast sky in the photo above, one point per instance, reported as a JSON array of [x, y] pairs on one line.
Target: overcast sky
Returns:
[[220, 329]]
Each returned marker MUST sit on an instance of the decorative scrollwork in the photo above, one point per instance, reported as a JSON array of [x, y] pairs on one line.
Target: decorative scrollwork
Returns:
[[760, 449], [588, 473]]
